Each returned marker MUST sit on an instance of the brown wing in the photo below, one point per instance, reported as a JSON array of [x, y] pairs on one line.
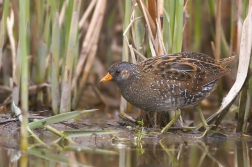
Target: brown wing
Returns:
[[197, 56], [185, 67]]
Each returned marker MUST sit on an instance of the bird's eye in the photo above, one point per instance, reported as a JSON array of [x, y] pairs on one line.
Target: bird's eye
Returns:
[[117, 71]]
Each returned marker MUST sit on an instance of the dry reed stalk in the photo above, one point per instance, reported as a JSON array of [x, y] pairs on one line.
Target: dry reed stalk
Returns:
[[161, 8], [152, 8], [162, 50], [10, 25], [139, 54], [150, 23], [133, 34], [186, 31], [91, 42], [244, 60], [87, 13], [217, 52], [3, 28], [88, 41], [16, 76], [235, 36], [132, 53], [159, 36], [152, 29]]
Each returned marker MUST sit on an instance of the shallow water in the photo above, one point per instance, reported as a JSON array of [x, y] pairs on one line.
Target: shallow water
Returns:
[[157, 151]]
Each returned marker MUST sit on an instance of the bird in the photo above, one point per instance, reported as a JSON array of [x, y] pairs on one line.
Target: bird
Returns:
[[169, 82]]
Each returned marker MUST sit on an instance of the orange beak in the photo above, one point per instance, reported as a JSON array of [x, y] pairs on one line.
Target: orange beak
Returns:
[[108, 77]]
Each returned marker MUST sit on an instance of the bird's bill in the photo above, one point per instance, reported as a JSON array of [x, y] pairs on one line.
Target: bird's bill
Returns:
[[108, 77]]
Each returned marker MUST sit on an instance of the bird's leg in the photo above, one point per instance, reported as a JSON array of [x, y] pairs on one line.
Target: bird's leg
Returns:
[[177, 115], [174, 119], [204, 123], [197, 107], [203, 120]]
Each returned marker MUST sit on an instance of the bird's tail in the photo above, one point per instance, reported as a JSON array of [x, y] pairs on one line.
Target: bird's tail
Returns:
[[224, 62]]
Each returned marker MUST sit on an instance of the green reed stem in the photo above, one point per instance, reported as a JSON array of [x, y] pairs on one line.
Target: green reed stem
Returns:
[[196, 25], [172, 13], [24, 72], [55, 64], [178, 27], [167, 36], [65, 103], [125, 54]]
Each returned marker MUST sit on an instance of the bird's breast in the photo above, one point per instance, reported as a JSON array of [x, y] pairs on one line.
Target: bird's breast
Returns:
[[163, 95]]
